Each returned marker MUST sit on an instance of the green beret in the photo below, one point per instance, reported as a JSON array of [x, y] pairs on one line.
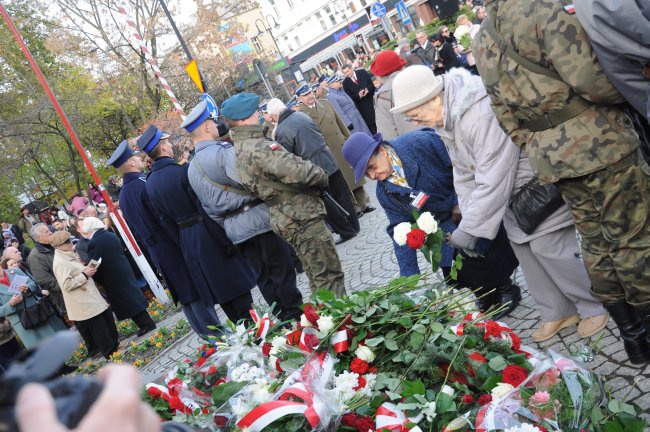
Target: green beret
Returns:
[[240, 106]]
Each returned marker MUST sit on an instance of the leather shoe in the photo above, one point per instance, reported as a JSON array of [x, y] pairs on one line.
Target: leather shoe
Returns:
[[369, 209], [359, 214], [343, 239], [592, 325], [548, 329], [146, 330]]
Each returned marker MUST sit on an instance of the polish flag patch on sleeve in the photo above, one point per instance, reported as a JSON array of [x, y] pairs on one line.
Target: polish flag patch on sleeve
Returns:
[[274, 146]]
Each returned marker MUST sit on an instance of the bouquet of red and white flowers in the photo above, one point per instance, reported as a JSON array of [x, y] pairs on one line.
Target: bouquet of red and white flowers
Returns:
[[423, 235]]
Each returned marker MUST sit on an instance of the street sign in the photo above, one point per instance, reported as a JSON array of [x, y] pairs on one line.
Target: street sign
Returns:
[[378, 10], [212, 105], [403, 13], [192, 70]]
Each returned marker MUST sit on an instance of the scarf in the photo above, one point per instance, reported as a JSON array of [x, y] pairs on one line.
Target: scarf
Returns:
[[397, 177]]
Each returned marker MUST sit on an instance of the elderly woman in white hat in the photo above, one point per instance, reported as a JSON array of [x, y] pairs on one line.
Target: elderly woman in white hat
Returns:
[[489, 169]]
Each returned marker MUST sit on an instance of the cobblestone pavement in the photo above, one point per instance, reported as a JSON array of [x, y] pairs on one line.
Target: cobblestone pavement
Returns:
[[368, 260]]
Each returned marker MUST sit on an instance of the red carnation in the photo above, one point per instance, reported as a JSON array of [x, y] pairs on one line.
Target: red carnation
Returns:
[[360, 423], [311, 314], [210, 352], [514, 375], [416, 238], [492, 328], [468, 399], [154, 392], [484, 399], [266, 349], [359, 366], [200, 362], [361, 383], [479, 358], [516, 342], [176, 404]]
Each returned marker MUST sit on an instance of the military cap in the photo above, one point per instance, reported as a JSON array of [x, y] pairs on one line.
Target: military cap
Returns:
[[263, 108], [293, 104], [197, 116], [150, 139], [335, 78], [240, 106], [121, 154], [303, 90]]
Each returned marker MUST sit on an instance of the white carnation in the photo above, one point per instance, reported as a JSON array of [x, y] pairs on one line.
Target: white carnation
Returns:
[[277, 343], [261, 394], [447, 390], [524, 427], [501, 390], [400, 231], [345, 383], [364, 353], [304, 321], [430, 411], [325, 324], [245, 373], [427, 223]]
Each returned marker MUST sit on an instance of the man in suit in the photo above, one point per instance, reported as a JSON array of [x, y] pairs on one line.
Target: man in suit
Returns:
[[358, 84]]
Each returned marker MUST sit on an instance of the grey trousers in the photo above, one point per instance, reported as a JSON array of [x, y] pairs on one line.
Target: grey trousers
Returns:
[[556, 277]]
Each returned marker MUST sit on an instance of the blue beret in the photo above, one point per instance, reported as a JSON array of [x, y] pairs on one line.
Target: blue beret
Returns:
[[150, 139], [199, 114], [303, 90], [121, 154], [240, 106]]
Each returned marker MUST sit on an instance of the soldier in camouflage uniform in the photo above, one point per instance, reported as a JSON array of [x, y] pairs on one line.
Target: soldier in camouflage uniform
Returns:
[[288, 185], [551, 95]]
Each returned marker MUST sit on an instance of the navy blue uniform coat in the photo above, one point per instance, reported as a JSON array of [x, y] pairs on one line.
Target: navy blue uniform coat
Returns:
[[150, 234], [116, 276], [218, 277]]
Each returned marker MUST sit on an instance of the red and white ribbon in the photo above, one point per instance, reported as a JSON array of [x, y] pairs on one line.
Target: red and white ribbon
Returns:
[[263, 325], [391, 418], [303, 336], [339, 341], [152, 62]]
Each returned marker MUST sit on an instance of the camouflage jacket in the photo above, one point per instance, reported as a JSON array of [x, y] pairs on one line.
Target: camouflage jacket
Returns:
[[260, 158], [544, 33]]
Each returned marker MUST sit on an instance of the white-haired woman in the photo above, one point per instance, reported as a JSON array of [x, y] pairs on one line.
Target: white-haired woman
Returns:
[[116, 276], [488, 170]]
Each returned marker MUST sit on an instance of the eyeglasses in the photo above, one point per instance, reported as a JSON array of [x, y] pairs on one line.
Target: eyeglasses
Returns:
[[445, 31]]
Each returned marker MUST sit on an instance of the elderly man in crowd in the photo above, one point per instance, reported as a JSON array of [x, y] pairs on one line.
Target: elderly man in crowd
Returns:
[[288, 185], [40, 263], [344, 105]]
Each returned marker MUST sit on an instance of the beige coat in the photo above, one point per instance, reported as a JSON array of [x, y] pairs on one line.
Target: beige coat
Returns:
[[81, 297], [335, 132], [390, 125]]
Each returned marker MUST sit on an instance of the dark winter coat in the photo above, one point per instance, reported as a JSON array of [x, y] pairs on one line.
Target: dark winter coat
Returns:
[[219, 273], [40, 263], [365, 105], [116, 276], [150, 234]]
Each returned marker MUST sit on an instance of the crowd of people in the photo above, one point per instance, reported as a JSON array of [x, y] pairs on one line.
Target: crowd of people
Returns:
[[267, 184]]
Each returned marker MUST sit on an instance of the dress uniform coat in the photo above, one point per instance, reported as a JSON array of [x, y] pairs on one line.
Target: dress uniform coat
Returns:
[[219, 274], [365, 105], [115, 275], [348, 111], [164, 251]]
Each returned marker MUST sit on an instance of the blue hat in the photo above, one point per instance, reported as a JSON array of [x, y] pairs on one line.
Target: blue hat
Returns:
[[303, 90], [314, 87], [357, 151], [150, 139], [199, 114], [263, 108], [121, 154], [335, 78], [240, 106]]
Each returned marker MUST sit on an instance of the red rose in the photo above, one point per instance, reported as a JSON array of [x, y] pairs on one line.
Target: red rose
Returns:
[[468, 399], [212, 369], [514, 375], [266, 349], [359, 366], [478, 358], [484, 399], [221, 421], [311, 314], [361, 383], [516, 342], [176, 404], [154, 392], [492, 328], [210, 351], [311, 340], [293, 338], [200, 362], [416, 238], [350, 333], [360, 423]]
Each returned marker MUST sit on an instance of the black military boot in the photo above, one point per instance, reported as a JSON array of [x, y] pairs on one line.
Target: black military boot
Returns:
[[633, 331], [510, 296]]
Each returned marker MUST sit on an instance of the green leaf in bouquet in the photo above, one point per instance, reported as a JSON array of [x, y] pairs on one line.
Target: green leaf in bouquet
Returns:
[[449, 336], [497, 363], [338, 304], [292, 363], [415, 213], [359, 319], [391, 344], [325, 295], [419, 328], [616, 406], [404, 357], [631, 423], [410, 388], [223, 392], [597, 415], [391, 334], [445, 403], [371, 311], [393, 396], [491, 382], [407, 406], [437, 327], [385, 380], [416, 341], [405, 322], [613, 426], [373, 342]]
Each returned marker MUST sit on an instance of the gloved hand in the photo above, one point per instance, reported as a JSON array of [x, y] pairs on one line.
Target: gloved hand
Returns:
[[463, 241]]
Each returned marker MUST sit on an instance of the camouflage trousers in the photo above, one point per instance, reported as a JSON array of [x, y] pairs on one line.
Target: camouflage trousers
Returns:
[[314, 245], [610, 209]]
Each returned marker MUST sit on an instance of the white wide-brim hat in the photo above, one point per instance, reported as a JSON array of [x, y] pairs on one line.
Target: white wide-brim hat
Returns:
[[414, 86]]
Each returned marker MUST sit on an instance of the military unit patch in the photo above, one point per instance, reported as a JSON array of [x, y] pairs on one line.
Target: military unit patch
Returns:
[[274, 146]]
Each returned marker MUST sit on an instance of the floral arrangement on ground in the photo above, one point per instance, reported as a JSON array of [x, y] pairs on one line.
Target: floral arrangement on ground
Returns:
[[388, 359]]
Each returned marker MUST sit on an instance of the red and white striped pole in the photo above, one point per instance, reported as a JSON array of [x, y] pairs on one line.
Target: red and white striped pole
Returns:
[[152, 62]]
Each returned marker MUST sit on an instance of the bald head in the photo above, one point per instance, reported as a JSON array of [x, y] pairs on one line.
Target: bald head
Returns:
[[12, 253]]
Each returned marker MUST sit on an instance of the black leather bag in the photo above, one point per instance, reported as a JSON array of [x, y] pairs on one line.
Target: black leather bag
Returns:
[[36, 315], [534, 203]]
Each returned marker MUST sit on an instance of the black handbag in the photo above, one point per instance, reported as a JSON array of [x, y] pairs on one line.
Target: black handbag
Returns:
[[335, 208], [534, 203], [36, 315]]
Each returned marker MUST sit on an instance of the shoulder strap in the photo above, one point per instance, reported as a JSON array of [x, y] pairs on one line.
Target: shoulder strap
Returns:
[[219, 185], [508, 51]]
